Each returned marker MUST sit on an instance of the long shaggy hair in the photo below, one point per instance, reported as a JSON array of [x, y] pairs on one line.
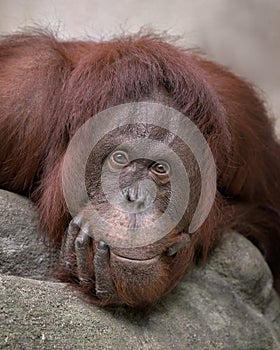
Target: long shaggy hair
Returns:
[[50, 88]]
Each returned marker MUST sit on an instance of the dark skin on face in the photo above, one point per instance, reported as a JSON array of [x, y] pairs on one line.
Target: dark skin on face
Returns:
[[138, 275]]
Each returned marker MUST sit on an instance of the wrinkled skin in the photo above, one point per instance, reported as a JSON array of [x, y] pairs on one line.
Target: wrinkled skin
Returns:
[[116, 276], [129, 275]]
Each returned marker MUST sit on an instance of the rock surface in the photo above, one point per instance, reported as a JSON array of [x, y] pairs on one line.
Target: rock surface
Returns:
[[227, 304], [22, 250]]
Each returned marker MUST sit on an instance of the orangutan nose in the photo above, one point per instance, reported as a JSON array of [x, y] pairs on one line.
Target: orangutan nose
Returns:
[[139, 197], [135, 195]]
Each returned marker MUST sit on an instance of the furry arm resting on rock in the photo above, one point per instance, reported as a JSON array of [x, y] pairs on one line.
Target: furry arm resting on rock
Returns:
[[132, 87]]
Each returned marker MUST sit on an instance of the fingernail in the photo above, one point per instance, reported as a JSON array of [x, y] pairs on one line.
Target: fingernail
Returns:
[[102, 245]]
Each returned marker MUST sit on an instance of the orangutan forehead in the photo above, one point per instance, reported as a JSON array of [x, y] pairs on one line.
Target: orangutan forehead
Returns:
[[138, 132], [142, 141]]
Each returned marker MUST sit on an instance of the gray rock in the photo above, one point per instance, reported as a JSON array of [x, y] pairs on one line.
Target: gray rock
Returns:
[[22, 249], [228, 303]]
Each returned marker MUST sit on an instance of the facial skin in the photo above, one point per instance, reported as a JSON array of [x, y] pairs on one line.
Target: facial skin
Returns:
[[137, 274]]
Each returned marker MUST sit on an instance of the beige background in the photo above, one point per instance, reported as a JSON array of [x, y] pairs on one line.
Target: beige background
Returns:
[[242, 34]]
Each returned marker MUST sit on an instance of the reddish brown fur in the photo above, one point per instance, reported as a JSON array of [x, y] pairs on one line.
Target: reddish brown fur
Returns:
[[50, 88]]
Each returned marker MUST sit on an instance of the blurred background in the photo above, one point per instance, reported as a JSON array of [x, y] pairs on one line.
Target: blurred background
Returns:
[[242, 34]]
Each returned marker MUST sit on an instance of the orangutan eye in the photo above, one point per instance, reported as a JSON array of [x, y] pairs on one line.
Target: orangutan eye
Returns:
[[160, 168], [119, 158]]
